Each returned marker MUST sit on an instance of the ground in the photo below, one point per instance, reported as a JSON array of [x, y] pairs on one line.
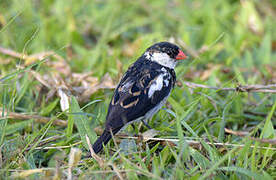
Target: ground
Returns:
[[59, 64]]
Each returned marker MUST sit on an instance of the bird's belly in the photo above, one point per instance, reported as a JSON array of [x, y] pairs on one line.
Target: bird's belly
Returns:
[[149, 114]]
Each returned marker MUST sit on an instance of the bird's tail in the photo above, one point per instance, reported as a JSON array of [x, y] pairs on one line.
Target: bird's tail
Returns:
[[103, 139]]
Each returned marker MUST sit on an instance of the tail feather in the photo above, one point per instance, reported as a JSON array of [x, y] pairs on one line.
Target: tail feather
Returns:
[[103, 139]]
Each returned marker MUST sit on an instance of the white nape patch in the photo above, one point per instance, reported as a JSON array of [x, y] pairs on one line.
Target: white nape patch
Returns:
[[163, 59], [156, 86]]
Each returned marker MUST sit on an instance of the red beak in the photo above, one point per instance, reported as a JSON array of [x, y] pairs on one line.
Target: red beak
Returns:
[[181, 55]]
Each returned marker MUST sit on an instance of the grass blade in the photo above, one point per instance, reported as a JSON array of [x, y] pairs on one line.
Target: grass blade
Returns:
[[81, 121]]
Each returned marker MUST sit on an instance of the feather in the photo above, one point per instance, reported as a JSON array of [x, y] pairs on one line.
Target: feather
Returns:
[[103, 139]]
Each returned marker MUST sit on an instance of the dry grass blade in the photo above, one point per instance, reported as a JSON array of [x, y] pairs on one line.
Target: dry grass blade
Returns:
[[116, 170], [37, 118], [29, 58], [244, 134], [193, 143], [93, 154], [58, 147], [237, 133], [106, 83], [111, 171], [149, 134], [271, 88], [10, 52], [25, 173], [40, 79], [46, 141], [74, 158]]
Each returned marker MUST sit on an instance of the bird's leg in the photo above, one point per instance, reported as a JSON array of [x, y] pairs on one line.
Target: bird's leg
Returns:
[[146, 124]]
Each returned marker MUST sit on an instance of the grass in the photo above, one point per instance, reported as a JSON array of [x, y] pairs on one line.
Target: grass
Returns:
[[94, 42]]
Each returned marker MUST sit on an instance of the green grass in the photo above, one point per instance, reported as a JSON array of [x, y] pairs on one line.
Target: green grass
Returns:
[[235, 41]]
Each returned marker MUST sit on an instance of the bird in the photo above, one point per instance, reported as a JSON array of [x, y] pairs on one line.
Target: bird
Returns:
[[142, 90]]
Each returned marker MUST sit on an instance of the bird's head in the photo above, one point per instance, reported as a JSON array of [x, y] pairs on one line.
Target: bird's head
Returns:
[[165, 53]]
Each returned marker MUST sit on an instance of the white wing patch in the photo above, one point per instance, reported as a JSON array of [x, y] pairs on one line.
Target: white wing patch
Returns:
[[166, 81], [158, 84]]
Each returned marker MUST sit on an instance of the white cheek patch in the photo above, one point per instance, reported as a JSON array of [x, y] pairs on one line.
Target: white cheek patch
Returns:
[[163, 59]]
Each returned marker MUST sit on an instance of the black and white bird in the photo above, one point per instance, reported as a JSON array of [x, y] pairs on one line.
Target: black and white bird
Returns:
[[143, 89]]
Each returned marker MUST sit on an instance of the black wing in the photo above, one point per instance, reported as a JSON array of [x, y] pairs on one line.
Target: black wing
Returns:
[[135, 94]]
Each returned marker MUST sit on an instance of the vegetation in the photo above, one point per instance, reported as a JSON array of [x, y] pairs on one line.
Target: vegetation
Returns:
[[56, 55]]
